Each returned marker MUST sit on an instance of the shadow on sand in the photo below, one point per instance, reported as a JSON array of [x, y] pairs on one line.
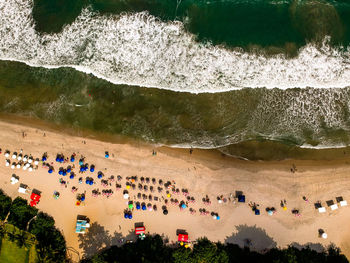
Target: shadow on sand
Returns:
[[251, 236], [98, 238]]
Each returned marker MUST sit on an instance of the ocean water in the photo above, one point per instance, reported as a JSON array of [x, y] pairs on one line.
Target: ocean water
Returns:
[[185, 73]]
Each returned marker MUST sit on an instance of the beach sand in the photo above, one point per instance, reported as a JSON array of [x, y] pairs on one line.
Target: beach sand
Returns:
[[202, 173]]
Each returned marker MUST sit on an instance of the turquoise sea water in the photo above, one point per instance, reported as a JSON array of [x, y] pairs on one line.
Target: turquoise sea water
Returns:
[[189, 73]]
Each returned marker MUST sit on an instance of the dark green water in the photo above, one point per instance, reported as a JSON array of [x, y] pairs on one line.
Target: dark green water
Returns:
[[276, 25]]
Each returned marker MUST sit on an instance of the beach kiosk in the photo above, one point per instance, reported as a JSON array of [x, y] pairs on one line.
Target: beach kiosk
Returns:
[[81, 226], [183, 237], [35, 198], [140, 230]]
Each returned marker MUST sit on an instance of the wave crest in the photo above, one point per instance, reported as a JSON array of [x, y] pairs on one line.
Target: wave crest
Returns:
[[138, 49]]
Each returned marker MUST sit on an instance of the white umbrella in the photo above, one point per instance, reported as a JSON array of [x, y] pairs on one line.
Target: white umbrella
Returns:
[[7, 163], [30, 169], [126, 196], [14, 156], [19, 157], [30, 160], [324, 235], [7, 155], [214, 217], [18, 166], [25, 168], [36, 162], [25, 158], [12, 166], [27, 164]]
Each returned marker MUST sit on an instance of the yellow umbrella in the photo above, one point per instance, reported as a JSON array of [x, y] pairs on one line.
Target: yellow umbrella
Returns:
[[168, 195], [284, 208], [128, 186], [181, 243]]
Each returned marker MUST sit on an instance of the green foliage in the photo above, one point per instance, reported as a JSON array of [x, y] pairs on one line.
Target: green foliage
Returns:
[[21, 213], [5, 204], [51, 244]]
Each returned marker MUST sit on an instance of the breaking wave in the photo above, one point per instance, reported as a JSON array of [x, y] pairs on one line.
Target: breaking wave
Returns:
[[138, 49]]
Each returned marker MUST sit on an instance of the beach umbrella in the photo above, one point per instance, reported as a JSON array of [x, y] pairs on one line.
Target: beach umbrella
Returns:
[[82, 198], [99, 176], [270, 212], [14, 156], [25, 158], [126, 196], [183, 206], [50, 171], [60, 172], [64, 173], [30, 169], [126, 215], [138, 207], [25, 168], [57, 159], [71, 176], [19, 157], [30, 160], [87, 181], [106, 155], [18, 166], [12, 166], [144, 207], [128, 187], [7, 164], [27, 164], [214, 217], [217, 217], [168, 195], [69, 170], [72, 159], [324, 235], [36, 162], [44, 158], [165, 212], [130, 216], [92, 169], [131, 206], [81, 162], [7, 155], [284, 208], [91, 182]]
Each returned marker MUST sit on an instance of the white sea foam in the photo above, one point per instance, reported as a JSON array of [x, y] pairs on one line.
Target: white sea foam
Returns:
[[138, 49]]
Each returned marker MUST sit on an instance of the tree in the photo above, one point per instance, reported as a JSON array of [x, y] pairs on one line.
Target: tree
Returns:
[[51, 244], [206, 251], [21, 213], [5, 204]]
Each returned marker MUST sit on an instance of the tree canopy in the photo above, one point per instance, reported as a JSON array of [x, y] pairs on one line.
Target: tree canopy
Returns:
[[21, 213], [5, 204]]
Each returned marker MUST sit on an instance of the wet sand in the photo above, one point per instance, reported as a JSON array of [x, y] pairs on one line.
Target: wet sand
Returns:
[[202, 173]]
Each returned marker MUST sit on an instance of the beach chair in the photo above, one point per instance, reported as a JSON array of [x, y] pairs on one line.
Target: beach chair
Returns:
[[334, 207], [321, 209], [343, 203]]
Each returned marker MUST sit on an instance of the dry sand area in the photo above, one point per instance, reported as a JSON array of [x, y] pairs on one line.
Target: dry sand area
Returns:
[[202, 173]]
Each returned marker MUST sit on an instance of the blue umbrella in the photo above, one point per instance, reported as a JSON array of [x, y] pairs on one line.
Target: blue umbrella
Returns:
[[69, 170], [99, 176], [91, 182], [92, 169], [50, 171], [57, 159], [107, 155], [72, 159], [44, 158], [130, 216], [60, 172], [87, 181], [144, 207], [217, 217], [71, 176], [126, 215], [82, 198], [183, 206], [81, 169], [81, 162], [138, 207], [61, 159], [64, 173]]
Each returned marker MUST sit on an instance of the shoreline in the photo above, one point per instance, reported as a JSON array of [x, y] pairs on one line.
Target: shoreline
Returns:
[[203, 173], [247, 150]]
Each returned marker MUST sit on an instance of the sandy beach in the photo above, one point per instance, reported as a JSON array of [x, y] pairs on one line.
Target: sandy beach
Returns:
[[202, 173]]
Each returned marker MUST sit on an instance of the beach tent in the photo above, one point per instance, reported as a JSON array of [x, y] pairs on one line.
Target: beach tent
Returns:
[[140, 230], [22, 189], [334, 207], [241, 198], [183, 238], [81, 226], [35, 197], [322, 209], [343, 203]]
